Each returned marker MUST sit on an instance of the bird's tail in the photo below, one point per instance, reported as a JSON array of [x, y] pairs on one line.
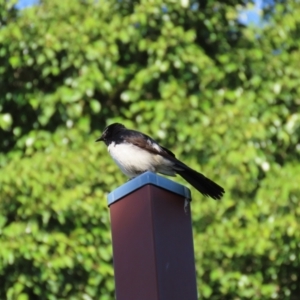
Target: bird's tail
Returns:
[[203, 184]]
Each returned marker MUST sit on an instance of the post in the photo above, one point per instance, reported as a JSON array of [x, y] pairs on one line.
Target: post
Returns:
[[152, 240]]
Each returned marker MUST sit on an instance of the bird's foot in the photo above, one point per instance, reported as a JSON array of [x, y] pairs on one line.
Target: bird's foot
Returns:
[[137, 174]]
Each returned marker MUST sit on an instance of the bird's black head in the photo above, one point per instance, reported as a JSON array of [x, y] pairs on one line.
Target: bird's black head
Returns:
[[109, 132]]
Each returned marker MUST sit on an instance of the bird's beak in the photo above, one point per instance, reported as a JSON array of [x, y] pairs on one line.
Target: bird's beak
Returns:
[[99, 139]]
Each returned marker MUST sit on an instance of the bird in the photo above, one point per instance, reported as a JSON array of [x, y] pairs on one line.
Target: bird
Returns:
[[136, 153]]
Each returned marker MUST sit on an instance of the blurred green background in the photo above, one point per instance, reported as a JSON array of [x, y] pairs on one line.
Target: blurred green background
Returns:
[[223, 96]]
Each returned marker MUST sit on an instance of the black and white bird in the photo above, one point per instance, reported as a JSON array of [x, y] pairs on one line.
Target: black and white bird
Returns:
[[136, 153]]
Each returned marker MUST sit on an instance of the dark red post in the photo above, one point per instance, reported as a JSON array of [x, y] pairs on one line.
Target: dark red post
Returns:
[[152, 240]]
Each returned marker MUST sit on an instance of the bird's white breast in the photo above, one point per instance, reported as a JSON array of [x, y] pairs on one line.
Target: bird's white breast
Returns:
[[133, 160]]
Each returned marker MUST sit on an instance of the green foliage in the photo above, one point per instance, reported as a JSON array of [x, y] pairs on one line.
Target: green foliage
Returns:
[[184, 72]]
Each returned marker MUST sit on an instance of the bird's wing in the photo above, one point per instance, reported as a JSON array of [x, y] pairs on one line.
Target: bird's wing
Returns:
[[203, 184], [143, 141]]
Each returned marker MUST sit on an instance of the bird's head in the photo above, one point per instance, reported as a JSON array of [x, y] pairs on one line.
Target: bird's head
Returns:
[[109, 132]]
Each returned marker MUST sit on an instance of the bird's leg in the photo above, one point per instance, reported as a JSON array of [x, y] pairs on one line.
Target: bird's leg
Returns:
[[140, 173]]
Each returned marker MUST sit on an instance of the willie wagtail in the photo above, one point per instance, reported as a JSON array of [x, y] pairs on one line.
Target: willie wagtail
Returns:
[[135, 153]]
